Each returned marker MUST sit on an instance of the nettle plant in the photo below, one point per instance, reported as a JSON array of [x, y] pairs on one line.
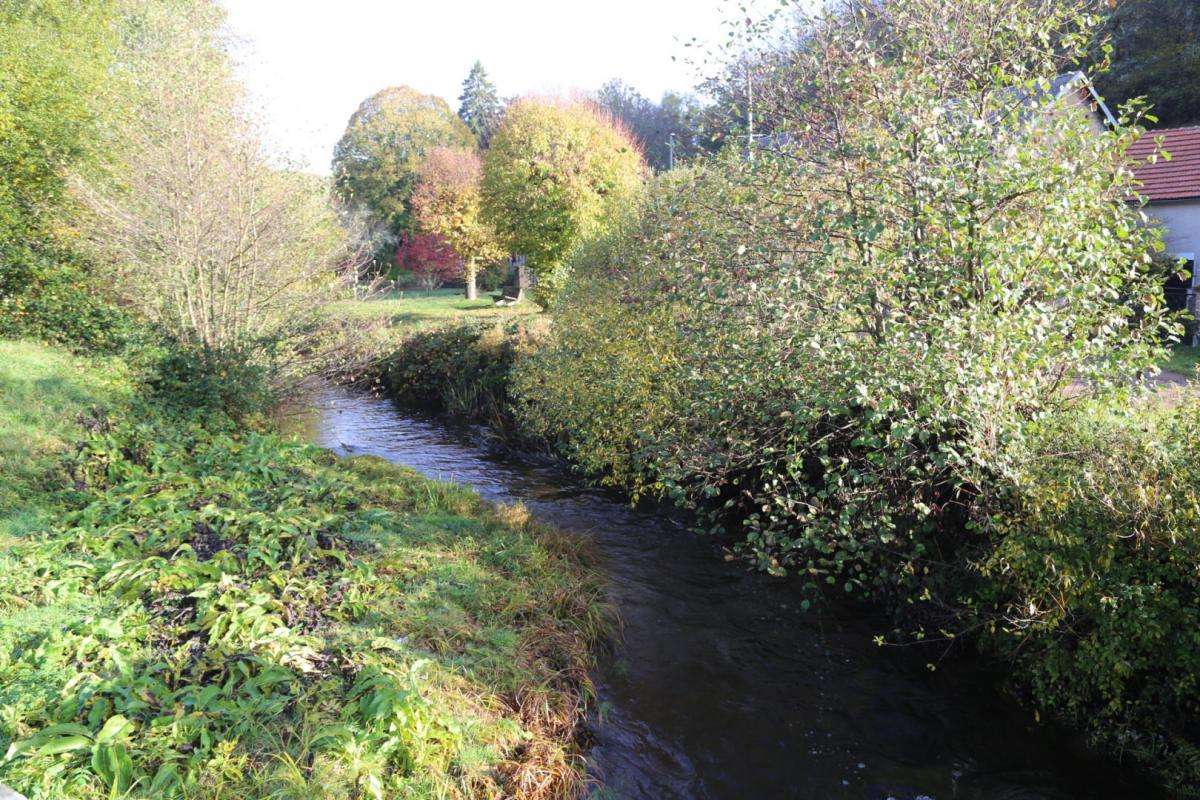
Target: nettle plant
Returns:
[[933, 249]]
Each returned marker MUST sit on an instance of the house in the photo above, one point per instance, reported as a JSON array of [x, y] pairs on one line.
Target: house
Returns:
[[1077, 88], [1172, 190]]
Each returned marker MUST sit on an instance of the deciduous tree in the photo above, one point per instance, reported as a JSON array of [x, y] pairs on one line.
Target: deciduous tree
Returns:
[[555, 174], [375, 164], [659, 128], [210, 239], [429, 259], [448, 203], [1156, 54]]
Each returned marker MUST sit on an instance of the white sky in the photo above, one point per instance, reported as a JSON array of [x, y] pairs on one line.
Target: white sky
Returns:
[[311, 62]]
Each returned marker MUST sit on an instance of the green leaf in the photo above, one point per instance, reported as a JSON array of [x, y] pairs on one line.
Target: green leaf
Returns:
[[113, 728], [64, 744]]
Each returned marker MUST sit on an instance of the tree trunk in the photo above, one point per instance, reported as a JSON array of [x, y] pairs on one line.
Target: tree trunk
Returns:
[[472, 291], [522, 281]]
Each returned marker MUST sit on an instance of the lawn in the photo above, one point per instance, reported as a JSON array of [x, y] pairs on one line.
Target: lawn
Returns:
[[426, 309], [1183, 360]]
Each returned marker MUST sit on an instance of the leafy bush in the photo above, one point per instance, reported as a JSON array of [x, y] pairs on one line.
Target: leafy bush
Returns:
[[851, 354], [829, 347], [205, 381], [461, 369], [49, 293], [606, 377], [1089, 583]]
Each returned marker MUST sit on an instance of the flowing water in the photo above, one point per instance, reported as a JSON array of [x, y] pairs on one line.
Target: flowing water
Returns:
[[722, 687]]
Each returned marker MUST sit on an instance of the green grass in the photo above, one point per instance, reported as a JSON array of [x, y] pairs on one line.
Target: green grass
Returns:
[[1183, 360], [43, 392], [417, 309], [221, 613]]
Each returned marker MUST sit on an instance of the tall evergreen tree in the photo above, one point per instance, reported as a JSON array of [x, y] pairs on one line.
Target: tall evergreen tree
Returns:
[[479, 105]]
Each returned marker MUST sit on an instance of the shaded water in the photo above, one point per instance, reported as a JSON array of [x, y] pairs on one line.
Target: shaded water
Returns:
[[722, 686]]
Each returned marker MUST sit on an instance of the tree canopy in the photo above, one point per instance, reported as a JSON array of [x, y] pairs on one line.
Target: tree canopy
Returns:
[[1156, 54], [656, 126], [479, 105], [448, 203], [555, 174], [376, 162]]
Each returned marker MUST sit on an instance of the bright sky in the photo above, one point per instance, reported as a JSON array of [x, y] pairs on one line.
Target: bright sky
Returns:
[[311, 62]]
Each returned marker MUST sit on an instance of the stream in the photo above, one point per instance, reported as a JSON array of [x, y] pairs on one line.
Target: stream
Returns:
[[722, 687]]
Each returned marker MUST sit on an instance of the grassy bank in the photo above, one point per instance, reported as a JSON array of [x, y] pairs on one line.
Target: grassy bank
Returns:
[[202, 612], [42, 394]]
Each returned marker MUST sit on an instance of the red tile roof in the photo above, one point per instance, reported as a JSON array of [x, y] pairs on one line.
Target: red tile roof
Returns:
[[1177, 179]]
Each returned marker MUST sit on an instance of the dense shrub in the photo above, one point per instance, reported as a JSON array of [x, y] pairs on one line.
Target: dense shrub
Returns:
[[1090, 580], [830, 346], [463, 370], [608, 377], [199, 380], [49, 293]]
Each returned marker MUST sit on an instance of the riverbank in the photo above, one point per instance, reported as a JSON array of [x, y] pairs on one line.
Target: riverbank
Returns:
[[1048, 579], [194, 609], [722, 685]]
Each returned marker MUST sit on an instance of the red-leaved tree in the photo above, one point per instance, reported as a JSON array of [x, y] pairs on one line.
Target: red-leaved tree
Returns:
[[431, 261], [447, 202]]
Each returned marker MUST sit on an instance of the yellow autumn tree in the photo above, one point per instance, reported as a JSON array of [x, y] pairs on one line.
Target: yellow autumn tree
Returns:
[[556, 174]]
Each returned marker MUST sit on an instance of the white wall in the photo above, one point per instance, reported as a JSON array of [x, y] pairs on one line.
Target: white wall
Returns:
[[1182, 223]]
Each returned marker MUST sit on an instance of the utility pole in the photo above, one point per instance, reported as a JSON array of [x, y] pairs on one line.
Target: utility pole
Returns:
[[671, 152]]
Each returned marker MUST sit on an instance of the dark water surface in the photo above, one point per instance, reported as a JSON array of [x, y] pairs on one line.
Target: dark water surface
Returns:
[[722, 686]]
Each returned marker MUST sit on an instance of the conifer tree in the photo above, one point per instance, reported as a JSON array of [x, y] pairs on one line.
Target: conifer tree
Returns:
[[479, 105]]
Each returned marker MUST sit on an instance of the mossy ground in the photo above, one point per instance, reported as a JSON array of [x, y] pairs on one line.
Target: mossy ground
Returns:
[[205, 612]]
